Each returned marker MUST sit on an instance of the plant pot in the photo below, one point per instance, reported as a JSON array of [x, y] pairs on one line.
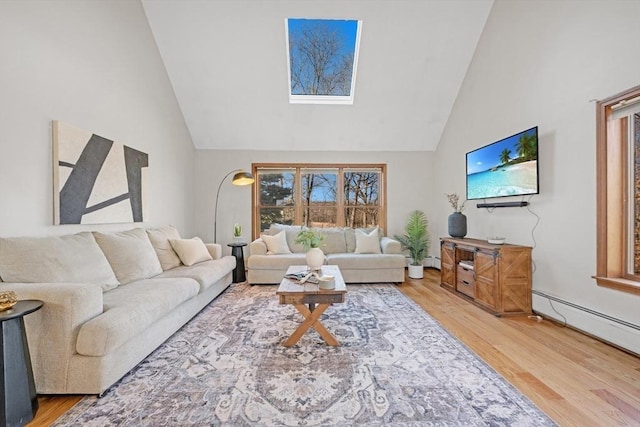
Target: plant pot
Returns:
[[416, 271], [457, 223], [315, 258]]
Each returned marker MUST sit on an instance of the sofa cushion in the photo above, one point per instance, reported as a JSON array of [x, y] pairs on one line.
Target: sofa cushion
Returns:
[[291, 232], [130, 254], [159, 238], [334, 241], [366, 261], [191, 251], [367, 243], [205, 273], [276, 244], [129, 310], [75, 258], [280, 262]]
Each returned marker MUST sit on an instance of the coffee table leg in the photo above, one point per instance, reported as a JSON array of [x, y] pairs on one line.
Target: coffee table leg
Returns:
[[311, 319]]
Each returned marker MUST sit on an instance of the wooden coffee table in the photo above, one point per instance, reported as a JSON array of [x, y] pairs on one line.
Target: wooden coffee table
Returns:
[[311, 301]]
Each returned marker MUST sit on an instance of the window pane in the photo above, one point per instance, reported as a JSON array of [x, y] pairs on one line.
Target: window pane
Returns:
[[361, 217], [276, 188], [270, 216], [319, 189], [322, 56], [361, 188], [320, 216]]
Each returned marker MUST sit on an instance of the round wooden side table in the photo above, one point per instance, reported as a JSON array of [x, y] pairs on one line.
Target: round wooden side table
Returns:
[[236, 251], [20, 402]]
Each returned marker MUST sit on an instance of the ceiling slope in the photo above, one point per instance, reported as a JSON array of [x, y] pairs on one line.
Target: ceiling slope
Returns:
[[226, 60]]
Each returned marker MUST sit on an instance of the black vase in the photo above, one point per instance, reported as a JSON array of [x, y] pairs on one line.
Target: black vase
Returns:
[[457, 225]]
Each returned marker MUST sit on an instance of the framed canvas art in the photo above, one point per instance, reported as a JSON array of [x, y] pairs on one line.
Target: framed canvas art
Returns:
[[96, 180]]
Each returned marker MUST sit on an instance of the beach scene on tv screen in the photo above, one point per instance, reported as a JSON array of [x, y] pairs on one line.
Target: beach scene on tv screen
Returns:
[[505, 168]]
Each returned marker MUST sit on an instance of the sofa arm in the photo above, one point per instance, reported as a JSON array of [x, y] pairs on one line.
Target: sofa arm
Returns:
[[258, 247], [390, 246], [53, 330], [215, 250]]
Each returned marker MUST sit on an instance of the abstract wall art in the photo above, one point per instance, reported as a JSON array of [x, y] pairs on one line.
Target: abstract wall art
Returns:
[[96, 180]]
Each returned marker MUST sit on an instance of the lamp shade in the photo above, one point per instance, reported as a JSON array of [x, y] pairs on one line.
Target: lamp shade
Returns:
[[242, 178]]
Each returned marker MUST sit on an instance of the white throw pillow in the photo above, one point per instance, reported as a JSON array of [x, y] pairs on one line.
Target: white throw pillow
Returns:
[[159, 238], [191, 251], [367, 243], [276, 244], [130, 254]]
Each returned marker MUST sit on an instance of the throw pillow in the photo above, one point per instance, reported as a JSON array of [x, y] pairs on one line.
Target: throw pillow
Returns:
[[159, 238], [191, 251], [276, 244], [291, 232], [130, 254], [367, 243]]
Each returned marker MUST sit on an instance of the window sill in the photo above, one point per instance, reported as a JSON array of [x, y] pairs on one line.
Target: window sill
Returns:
[[620, 284]]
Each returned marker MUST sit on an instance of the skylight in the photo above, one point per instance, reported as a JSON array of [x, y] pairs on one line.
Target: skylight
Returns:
[[322, 59]]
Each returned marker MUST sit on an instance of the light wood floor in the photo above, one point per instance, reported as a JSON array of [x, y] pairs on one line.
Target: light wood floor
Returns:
[[576, 380]]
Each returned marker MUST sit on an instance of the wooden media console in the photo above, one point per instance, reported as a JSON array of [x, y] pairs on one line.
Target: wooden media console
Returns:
[[494, 277]]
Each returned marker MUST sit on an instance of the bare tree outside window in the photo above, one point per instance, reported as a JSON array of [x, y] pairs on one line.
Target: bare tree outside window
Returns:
[[322, 59], [361, 198], [319, 195]]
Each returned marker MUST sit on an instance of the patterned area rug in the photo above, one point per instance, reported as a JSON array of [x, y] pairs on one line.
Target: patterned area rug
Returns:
[[396, 367]]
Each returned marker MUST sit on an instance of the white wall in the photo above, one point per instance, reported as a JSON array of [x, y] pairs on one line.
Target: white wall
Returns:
[[409, 185], [95, 65], [542, 63]]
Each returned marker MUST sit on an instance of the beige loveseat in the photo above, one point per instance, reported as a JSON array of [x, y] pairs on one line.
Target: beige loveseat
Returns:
[[110, 299], [350, 249]]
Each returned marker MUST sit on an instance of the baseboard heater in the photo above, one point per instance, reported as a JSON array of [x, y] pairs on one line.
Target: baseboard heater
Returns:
[[587, 310], [503, 205]]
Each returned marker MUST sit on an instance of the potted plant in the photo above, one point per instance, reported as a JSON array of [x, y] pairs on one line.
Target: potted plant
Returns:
[[457, 221], [237, 232], [416, 241], [310, 241]]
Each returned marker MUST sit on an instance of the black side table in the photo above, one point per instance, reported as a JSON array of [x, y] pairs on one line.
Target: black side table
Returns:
[[19, 402], [236, 251]]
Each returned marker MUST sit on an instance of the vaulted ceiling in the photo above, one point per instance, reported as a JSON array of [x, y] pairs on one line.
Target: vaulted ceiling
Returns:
[[227, 62]]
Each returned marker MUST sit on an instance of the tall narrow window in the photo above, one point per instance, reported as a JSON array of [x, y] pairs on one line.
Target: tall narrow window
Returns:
[[276, 197], [319, 195], [618, 196], [362, 197]]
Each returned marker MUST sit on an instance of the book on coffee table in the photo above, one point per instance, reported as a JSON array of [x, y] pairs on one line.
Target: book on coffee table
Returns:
[[304, 276]]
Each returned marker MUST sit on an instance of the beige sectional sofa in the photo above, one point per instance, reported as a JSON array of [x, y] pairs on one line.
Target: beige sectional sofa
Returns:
[[348, 248], [110, 299]]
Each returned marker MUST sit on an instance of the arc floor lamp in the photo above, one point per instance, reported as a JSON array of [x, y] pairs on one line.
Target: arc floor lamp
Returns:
[[241, 177]]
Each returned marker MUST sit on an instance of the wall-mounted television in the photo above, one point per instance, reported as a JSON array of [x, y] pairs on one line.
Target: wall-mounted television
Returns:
[[508, 167]]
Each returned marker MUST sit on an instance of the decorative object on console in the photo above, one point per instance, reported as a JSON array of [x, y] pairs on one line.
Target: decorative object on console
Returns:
[[96, 180], [495, 240], [7, 300], [457, 221], [240, 178], [416, 241], [311, 241]]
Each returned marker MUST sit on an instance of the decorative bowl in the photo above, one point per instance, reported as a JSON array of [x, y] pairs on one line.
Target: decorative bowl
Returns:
[[7, 300], [495, 240], [326, 282]]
